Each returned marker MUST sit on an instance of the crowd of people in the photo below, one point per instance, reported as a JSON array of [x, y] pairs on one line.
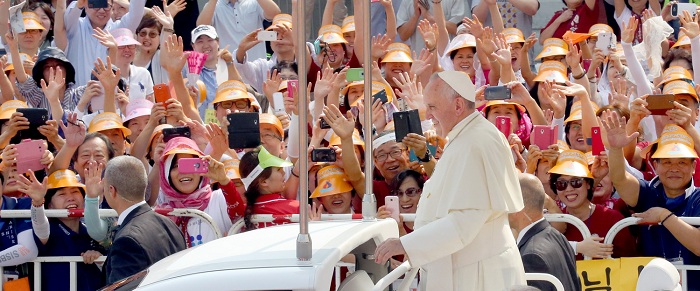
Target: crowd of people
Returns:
[[119, 106]]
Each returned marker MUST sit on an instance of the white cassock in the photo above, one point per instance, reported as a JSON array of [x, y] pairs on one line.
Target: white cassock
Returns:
[[462, 240]]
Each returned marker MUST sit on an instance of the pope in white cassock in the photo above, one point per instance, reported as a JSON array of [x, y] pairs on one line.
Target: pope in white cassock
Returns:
[[462, 240]]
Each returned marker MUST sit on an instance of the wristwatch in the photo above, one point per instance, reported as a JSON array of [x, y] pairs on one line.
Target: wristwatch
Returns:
[[426, 158]]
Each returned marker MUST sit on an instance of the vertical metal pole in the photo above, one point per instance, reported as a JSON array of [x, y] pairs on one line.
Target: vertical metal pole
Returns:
[[304, 239], [367, 60]]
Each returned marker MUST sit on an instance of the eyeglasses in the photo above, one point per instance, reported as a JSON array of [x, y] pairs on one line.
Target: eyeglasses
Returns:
[[410, 192], [575, 183], [151, 34], [395, 154], [268, 136], [240, 104]]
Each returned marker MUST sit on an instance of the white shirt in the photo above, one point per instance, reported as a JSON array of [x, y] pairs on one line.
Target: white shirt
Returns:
[[140, 83], [525, 229], [199, 231], [84, 49], [233, 21], [126, 212]]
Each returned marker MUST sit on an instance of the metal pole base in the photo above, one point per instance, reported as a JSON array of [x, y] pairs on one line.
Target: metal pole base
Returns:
[[304, 247]]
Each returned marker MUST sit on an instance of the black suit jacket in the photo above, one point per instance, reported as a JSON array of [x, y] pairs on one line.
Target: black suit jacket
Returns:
[[145, 237], [545, 250]]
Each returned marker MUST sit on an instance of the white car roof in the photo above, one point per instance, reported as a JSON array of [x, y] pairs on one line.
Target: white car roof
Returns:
[[273, 250]]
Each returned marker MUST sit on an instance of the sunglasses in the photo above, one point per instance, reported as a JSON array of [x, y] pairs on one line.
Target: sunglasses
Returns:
[[410, 192], [575, 183]]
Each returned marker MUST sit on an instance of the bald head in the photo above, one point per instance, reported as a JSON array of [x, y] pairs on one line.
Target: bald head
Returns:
[[533, 193]]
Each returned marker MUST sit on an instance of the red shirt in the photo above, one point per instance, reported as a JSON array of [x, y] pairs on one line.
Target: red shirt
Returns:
[[381, 190], [580, 22], [601, 220], [275, 204]]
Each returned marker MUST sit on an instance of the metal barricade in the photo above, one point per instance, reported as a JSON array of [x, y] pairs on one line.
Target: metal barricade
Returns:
[[73, 260], [545, 277], [404, 268], [629, 221]]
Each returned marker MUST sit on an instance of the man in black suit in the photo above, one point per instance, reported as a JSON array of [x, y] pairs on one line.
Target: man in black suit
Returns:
[[542, 248], [143, 237]]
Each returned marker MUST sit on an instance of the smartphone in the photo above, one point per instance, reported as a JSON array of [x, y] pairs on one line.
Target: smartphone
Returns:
[[676, 8], [267, 35], [94, 4], [324, 124], [596, 141], [406, 122], [503, 125], [97, 103], [292, 87], [243, 130], [161, 92], [192, 166], [605, 42], [543, 136], [381, 95], [36, 116], [497, 93], [279, 101], [323, 155], [355, 74], [659, 104], [392, 205], [29, 153], [180, 131]]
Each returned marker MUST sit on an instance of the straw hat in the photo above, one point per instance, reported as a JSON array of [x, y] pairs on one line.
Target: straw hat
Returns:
[[572, 163]]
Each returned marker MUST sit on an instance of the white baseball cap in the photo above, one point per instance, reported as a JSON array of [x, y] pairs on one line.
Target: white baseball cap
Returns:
[[207, 30]]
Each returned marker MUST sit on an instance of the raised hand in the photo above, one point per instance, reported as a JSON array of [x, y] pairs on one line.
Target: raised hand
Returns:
[[225, 55], [218, 139], [217, 171], [104, 73], [534, 156], [555, 99], [474, 26], [681, 115], [629, 30], [600, 167], [573, 57], [106, 39], [502, 53], [93, 179], [486, 43], [324, 82], [74, 130], [56, 83], [32, 187], [50, 130], [378, 115], [410, 90], [249, 41], [379, 45], [429, 32], [174, 8], [529, 42], [11, 41], [570, 89], [172, 57], [165, 18], [272, 84], [619, 92], [691, 28], [421, 63], [615, 128], [342, 126]]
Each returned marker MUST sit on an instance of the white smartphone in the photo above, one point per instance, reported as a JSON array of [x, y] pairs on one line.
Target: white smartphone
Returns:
[[267, 35], [97, 103], [605, 42], [392, 205], [279, 101], [676, 9]]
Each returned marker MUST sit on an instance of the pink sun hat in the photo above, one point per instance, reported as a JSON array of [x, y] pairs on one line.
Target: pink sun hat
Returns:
[[138, 108], [124, 37]]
